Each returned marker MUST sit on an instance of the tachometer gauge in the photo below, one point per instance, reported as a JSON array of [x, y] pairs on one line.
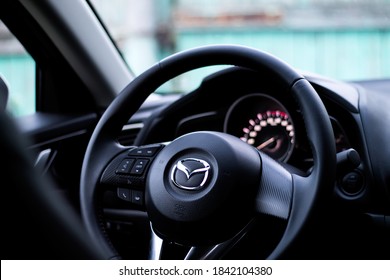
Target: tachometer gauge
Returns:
[[271, 132], [264, 123]]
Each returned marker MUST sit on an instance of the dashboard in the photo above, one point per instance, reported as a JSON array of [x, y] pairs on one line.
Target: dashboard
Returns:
[[258, 110]]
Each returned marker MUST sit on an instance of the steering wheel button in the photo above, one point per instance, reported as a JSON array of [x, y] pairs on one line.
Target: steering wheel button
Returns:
[[139, 167], [124, 194], [137, 197], [125, 166]]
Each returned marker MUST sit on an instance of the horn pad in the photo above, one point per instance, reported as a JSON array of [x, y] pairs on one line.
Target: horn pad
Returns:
[[200, 188]]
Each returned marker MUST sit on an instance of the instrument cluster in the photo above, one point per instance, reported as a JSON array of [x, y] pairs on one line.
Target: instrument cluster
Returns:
[[263, 122]]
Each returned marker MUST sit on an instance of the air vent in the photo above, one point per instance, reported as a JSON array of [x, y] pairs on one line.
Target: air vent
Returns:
[[129, 133]]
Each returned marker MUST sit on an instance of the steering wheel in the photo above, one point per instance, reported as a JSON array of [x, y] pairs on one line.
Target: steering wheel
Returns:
[[204, 188]]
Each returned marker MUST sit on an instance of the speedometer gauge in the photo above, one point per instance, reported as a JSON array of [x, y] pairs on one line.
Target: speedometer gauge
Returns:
[[264, 123]]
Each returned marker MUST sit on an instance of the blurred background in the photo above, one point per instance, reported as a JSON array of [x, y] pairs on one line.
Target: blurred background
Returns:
[[341, 39]]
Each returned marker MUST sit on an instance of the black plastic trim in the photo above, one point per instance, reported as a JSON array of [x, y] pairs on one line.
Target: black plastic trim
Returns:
[[44, 127]]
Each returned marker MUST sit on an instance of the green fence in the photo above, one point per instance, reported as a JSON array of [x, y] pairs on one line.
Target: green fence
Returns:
[[341, 54]]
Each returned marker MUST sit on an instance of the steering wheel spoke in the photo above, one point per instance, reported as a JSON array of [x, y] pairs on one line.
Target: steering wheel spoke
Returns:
[[218, 251], [274, 195], [162, 249]]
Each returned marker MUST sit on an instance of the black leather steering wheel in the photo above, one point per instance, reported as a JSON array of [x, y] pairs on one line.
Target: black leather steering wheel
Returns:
[[189, 186]]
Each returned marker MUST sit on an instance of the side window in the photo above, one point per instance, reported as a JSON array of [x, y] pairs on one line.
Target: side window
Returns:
[[17, 68]]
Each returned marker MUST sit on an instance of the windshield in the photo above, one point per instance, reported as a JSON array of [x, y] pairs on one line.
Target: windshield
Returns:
[[341, 39]]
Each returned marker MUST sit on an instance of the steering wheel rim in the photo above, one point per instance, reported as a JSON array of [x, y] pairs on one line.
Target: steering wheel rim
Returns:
[[304, 190]]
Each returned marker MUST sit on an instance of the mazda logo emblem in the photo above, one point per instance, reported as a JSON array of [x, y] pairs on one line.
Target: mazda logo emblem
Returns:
[[190, 173]]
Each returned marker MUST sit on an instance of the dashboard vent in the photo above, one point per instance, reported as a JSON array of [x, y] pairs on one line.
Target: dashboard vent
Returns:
[[129, 133]]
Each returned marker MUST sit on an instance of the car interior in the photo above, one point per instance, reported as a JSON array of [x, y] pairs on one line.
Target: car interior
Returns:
[[260, 161]]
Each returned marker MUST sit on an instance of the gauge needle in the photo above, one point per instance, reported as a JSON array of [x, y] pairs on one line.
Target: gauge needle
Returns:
[[266, 143]]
